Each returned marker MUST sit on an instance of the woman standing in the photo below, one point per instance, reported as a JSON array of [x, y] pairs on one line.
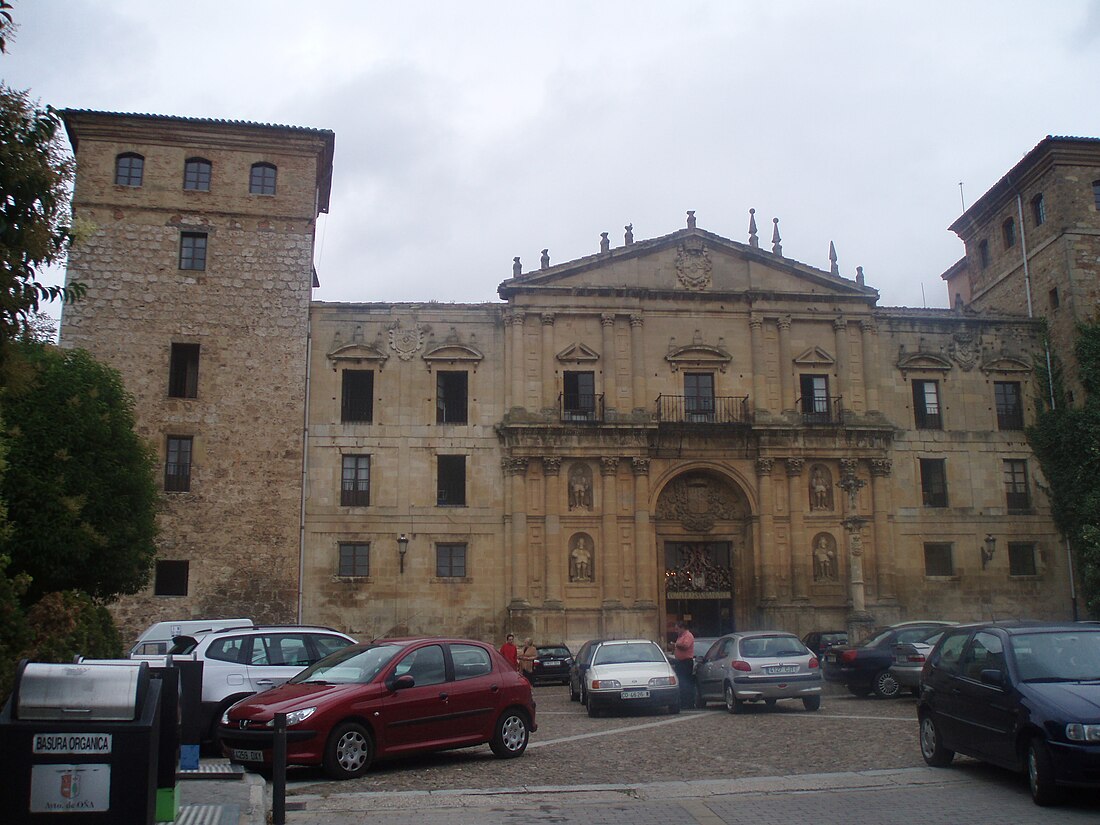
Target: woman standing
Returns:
[[527, 658]]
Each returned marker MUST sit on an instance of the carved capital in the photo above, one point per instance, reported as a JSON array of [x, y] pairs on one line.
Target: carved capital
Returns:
[[609, 465], [881, 467], [514, 466], [516, 319], [640, 466], [548, 319], [848, 467], [607, 319], [636, 321], [840, 324], [764, 466], [795, 466], [756, 323], [868, 327], [551, 465], [784, 322]]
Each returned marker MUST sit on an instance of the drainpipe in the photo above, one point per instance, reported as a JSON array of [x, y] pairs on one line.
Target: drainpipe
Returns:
[[305, 471]]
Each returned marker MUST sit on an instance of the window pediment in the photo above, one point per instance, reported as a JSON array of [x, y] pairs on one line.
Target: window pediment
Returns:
[[1005, 364], [357, 353], [698, 355], [578, 353], [923, 362], [452, 353], [815, 357]]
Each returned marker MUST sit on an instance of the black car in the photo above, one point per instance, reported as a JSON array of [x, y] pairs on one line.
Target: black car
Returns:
[[865, 667], [818, 641], [1024, 696], [581, 662], [552, 665]]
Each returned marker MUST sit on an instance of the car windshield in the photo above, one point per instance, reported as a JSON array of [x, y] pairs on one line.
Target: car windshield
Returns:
[[761, 647], [1063, 656], [182, 645], [633, 652], [352, 665], [553, 652]]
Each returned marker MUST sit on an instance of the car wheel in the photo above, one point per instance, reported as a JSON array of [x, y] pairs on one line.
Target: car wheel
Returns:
[[593, 711], [1040, 774], [733, 704], [348, 752], [770, 703], [583, 695], [931, 747], [700, 700], [511, 735], [573, 694], [885, 685], [811, 702], [674, 708]]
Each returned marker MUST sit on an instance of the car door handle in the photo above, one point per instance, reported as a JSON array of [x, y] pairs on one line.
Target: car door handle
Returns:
[[494, 688], [265, 682], [443, 697]]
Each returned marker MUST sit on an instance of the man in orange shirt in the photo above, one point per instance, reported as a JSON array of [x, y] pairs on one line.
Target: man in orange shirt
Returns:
[[684, 653]]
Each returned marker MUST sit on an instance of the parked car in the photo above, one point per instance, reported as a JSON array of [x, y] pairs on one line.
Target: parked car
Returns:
[[581, 662], [756, 666], [158, 637], [238, 662], [865, 667], [383, 699], [909, 659], [630, 673], [818, 641], [1024, 696], [552, 665], [702, 645]]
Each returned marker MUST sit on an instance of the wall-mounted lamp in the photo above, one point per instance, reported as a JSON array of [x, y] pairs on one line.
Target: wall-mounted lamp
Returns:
[[403, 548], [988, 549]]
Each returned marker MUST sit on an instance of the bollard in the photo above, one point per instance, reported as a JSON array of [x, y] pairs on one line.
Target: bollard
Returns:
[[278, 772]]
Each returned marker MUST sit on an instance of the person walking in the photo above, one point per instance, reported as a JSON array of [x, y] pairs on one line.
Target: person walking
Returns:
[[683, 651], [509, 652], [527, 658]]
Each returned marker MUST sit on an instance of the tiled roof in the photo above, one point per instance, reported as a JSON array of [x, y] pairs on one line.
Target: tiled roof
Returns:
[[199, 120]]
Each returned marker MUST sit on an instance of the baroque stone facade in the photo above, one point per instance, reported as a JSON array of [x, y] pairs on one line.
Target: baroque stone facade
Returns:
[[682, 427]]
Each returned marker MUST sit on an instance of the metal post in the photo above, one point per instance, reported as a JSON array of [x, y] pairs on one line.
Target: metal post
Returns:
[[278, 772]]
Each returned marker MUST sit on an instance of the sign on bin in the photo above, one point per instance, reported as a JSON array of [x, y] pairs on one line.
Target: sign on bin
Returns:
[[70, 788]]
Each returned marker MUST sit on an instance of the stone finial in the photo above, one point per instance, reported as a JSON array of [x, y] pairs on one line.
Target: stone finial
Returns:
[[691, 219], [859, 276], [833, 268], [546, 259], [605, 244], [629, 238], [754, 241], [517, 268], [777, 247]]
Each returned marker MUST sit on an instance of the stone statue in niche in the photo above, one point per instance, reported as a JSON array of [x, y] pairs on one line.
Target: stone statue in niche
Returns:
[[580, 487], [580, 559], [821, 489], [824, 559]]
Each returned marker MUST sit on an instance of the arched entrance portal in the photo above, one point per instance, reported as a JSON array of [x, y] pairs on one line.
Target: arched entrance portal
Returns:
[[704, 542]]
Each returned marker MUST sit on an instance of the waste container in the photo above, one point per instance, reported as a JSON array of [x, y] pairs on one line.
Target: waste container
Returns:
[[79, 743]]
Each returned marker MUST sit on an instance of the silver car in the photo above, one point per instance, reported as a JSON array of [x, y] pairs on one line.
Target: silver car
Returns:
[[909, 661], [758, 666]]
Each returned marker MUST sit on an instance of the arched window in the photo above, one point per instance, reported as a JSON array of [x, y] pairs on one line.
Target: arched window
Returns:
[[262, 179], [1039, 209], [196, 174], [129, 167], [1008, 229]]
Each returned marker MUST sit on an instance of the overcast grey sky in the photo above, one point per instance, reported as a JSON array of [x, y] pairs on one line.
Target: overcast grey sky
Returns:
[[471, 132]]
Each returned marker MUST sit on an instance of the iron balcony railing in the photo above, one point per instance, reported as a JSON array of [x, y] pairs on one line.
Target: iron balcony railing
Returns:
[[584, 408], [818, 410], [689, 409]]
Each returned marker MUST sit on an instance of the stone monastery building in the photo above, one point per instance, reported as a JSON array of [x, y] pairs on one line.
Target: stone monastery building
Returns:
[[687, 426]]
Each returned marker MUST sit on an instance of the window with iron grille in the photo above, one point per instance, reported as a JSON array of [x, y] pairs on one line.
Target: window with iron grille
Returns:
[[938, 559], [815, 397], [261, 181], [452, 481], [926, 405], [171, 578], [1039, 209], [357, 396], [354, 559], [192, 250], [1016, 487], [578, 394], [177, 465], [933, 482], [129, 169], [450, 397], [450, 561], [183, 371], [1021, 558], [699, 396], [355, 481], [1010, 407], [196, 174]]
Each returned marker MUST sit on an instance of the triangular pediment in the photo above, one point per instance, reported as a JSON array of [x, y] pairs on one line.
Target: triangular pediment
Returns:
[[578, 353], [1005, 364], [923, 361], [815, 357]]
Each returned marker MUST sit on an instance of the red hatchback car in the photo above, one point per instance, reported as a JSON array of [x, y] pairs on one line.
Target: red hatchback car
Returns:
[[387, 698]]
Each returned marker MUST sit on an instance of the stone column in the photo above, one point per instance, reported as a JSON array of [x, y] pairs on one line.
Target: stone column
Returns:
[[869, 343], [610, 388], [765, 542], [843, 364], [796, 499], [517, 472], [519, 394], [884, 548], [549, 382], [637, 363], [610, 551], [644, 552], [759, 368], [551, 470], [853, 523], [786, 365]]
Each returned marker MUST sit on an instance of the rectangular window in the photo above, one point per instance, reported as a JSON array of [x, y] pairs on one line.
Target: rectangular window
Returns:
[[926, 405], [1053, 298], [450, 561], [261, 180], [983, 254], [192, 250], [451, 489], [171, 578], [933, 482], [354, 559], [1039, 209], [937, 559], [357, 396], [183, 371], [355, 481], [450, 397], [578, 401], [1016, 486], [129, 169], [1010, 407], [1008, 229], [1021, 558], [815, 398], [196, 175], [699, 396], [177, 464]]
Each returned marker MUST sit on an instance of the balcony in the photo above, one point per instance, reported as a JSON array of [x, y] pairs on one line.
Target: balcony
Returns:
[[684, 409], [818, 411], [580, 408]]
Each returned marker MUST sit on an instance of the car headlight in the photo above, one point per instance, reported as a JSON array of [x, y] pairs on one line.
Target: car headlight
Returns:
[[662, 681], [605, 684], [225, 717], [295, 717], [1077, 732]]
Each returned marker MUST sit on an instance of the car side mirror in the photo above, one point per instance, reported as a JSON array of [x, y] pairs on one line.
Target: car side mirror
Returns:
[[992, 676], [402, 682]]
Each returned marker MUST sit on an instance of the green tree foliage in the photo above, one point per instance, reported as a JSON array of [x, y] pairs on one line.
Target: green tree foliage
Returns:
[[1066, 440], [80, 484], [70, 623]]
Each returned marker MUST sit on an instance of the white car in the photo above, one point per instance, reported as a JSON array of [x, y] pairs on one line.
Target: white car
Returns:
[[630, 673]]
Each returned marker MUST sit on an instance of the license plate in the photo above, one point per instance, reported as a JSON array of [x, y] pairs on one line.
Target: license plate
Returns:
[[635, 694], [782, 669], [248, 756]]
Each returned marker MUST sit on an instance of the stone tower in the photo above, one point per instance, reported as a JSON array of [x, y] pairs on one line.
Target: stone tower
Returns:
[[199, 267]]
